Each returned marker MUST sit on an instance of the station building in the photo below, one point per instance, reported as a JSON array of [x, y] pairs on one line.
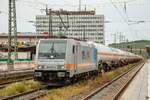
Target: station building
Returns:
[[80, 24]]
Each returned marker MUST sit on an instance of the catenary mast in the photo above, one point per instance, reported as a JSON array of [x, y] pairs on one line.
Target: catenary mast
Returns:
[[12, 30]]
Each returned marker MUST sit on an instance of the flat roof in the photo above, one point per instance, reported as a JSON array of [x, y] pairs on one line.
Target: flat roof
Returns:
[[65, 12]]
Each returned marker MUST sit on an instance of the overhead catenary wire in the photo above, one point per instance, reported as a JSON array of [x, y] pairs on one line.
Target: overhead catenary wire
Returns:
[[124, 19], [132, 22], [107, 21], [37, 2], [40, 4], [33, 2]]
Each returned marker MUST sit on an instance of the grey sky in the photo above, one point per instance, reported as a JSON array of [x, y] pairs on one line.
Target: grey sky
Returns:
[[137, 10]]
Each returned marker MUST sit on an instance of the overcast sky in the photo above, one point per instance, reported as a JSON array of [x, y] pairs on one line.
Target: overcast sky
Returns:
[[113, 10]]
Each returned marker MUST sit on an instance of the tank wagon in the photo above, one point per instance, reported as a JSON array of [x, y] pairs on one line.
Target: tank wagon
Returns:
[[108, 57], [67, 60]]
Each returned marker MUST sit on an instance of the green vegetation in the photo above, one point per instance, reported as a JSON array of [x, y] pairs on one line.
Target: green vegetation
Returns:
[[135, 44], [84, 86], [137, 47], [19, 87]]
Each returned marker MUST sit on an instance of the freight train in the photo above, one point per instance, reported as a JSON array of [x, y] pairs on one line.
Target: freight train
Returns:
[[67, 60]]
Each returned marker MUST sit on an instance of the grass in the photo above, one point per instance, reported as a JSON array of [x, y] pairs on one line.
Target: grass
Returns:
[[67, 92], [19, 87]]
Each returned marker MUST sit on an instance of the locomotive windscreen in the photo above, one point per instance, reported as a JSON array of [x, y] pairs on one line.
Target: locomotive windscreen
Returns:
[[52, 49]]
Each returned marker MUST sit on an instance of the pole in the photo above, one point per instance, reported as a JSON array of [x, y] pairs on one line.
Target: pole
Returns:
[[79, 5], [36, 38], [114, 39], [50, 23], [9, 31], [12, 32], [119, 40], [15, 31], [84, 34]]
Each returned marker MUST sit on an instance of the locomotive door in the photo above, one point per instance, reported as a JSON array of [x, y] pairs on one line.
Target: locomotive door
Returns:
[[76, 58]]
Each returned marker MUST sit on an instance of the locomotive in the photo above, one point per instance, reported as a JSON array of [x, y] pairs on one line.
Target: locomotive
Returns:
[[66, 60]]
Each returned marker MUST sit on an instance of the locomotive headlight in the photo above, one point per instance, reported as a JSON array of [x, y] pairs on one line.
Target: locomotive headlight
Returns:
[[39, 67], [61, 67]]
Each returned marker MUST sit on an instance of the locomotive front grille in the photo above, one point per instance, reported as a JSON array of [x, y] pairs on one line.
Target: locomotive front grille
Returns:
[[49, 75], [52, 75]]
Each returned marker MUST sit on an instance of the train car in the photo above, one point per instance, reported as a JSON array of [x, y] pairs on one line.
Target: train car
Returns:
[[64, 60], [108, 57]]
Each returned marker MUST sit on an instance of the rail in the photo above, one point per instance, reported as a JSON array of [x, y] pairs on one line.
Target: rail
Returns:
[[28, 95], [15, 76], [114, 80]]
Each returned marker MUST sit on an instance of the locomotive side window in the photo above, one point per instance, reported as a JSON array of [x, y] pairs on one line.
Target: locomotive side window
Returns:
[[73, 49]]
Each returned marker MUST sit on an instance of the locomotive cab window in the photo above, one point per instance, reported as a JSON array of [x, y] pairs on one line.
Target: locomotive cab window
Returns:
[[52, 49]]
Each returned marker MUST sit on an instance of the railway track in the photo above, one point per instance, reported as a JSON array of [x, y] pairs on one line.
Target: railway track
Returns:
[[28, 95], [37, 93], [14, 74], [114, 88], [11, 77], [4, 84]]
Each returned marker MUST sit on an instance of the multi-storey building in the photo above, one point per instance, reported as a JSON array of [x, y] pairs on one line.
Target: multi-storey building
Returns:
[[75, 24]]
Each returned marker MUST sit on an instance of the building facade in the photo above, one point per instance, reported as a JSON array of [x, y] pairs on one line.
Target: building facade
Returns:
[[74, 24]]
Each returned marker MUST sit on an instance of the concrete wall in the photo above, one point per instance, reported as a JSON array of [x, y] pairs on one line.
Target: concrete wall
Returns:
[[21, 55], [18, 65]]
